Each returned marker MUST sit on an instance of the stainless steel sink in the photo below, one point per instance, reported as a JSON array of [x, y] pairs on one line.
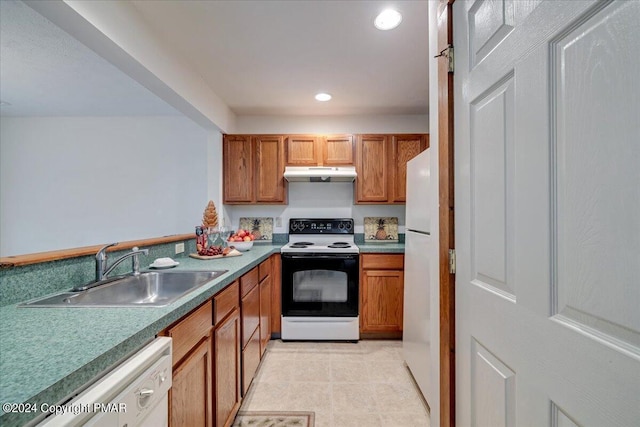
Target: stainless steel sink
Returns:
[[149, 289]]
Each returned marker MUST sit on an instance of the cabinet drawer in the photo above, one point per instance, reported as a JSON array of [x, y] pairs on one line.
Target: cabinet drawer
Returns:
[[265, 313], [190, 331], [248, 281], [264, 269], [250, 314], [250, 361], [383, 262], [225, 302]]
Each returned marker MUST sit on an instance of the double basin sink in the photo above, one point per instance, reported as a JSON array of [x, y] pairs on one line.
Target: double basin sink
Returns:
[[148, 289]]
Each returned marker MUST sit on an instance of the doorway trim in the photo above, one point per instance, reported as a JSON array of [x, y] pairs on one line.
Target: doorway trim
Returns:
[[446, 216]]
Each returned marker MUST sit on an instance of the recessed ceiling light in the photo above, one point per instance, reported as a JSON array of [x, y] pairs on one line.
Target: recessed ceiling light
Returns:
[[388, 19], [323, 97]]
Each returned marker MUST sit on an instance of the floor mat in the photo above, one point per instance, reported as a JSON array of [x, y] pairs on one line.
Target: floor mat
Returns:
[[274, 419]]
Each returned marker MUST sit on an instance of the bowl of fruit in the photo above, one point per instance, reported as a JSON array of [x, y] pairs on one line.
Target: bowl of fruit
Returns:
[[242, 240]]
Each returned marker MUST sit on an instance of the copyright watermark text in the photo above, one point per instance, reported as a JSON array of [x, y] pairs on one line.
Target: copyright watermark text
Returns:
[[73, 408]]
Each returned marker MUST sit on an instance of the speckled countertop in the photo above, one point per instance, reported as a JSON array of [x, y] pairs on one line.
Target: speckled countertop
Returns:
[[48, 353], [385, 248]]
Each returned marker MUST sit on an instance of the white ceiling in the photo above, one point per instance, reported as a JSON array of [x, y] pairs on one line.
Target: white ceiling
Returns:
[[46, 72], [271, 57], [261, 57]]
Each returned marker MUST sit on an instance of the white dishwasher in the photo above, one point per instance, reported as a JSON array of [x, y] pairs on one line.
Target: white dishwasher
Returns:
[[134, 394]]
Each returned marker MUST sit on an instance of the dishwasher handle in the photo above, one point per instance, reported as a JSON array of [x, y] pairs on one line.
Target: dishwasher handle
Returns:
[[144, 397]]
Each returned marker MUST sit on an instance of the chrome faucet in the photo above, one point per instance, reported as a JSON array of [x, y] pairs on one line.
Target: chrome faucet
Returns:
[[102, 271]]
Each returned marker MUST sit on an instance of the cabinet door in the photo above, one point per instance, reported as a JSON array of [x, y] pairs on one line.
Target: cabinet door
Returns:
[[403, 149], [238, 179], [270, 183], [382, 300], [227, 369], [265, 313], [190, 394], [337, 150], [264, 269], [371, 165], [250, 314], [302, 150], [250, 360], [276, 293]]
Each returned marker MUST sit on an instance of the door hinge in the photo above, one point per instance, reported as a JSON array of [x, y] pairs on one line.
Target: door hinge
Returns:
[[447, 53], [452, 261]]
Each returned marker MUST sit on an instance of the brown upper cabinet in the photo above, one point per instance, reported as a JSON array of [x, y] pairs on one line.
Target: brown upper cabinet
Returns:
[[381, 163], [403, 149], [315, 150], [338, 150], [302, 150], [372, 166], [253, 167]]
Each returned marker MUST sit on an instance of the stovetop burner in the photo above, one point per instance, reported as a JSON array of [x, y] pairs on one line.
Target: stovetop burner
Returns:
[[301, 244], [340, 245]]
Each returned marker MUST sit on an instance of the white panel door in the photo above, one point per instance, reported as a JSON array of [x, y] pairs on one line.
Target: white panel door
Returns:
[[547, 179]]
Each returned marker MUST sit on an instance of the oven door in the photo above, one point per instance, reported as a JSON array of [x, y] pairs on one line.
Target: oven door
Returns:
[[320, 285]]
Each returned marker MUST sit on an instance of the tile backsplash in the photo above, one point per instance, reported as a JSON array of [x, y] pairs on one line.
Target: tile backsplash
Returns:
[[260, 227], [381, 229]]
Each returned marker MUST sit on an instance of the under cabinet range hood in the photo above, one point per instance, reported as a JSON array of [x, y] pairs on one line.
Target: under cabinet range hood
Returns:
[[320, 173]]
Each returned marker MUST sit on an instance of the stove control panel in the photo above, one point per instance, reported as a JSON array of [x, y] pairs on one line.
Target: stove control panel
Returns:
[[320, 226]]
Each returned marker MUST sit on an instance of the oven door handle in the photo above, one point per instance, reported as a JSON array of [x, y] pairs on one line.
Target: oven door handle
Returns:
[[319, 256]]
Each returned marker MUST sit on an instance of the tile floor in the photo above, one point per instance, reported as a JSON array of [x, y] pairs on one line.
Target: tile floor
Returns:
[[345, 384]]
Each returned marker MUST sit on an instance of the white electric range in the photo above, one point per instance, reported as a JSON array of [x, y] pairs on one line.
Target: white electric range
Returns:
[[320, 288]]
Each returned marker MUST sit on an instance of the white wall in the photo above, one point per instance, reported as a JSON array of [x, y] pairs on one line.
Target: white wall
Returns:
[[332, 124], [214, 169], [316, 200], [76, 181]]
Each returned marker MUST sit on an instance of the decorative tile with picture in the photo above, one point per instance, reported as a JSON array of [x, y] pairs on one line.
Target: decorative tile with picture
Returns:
[[261, 228], [381, 229]]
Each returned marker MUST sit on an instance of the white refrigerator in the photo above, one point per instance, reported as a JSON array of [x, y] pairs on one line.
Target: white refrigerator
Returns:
[[420, 328]]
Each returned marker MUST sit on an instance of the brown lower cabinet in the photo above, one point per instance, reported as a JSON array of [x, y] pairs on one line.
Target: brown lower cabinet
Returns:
[[217, 349], [250, 360], [276, 294], [191, 389], [226, 349], [266, 278], [265, 313], [381, 295], [190, 397], [250, 304]]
